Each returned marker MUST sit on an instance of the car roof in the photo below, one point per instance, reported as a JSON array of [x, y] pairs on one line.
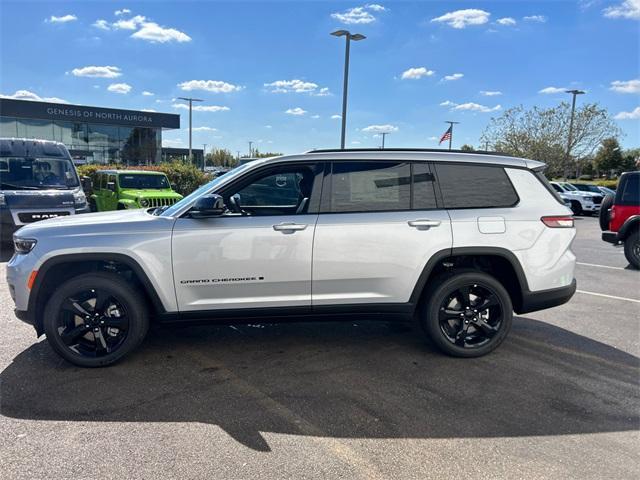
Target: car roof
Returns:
[[28, 147], [426, 155], [135, 172]]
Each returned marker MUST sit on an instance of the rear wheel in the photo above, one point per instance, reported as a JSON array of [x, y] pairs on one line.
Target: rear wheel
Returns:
[[94, 320], [576, 208], [467, 314], [605, 214], [632, 249]]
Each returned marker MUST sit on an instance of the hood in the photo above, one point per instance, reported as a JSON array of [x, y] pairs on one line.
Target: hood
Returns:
[[151, 193], [102, 223], [34, 199]]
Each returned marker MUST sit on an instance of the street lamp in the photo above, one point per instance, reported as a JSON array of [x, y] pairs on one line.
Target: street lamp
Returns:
[[190, 100], [355, 37], [384, 134], [204, 153], [575, 93]]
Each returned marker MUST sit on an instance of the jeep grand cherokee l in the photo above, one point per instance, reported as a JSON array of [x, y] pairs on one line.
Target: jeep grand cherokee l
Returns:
[[457, 241]]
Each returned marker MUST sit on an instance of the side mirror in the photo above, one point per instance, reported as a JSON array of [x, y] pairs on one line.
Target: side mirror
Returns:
[[111, 186], [210, 205], [174, 187]]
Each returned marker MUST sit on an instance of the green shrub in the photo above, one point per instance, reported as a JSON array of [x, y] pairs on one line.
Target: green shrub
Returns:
[[607, 183], [185, 177]]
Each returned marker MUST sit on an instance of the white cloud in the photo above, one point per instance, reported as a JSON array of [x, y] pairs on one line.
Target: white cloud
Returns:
[[102, 24], [535, 18], [295, 85], [154, 33], [552, 90], [130, 23], [490, 93], [507, 21], [629, 86], [470, 107], [315, 116], [386, 128], [323, 92], [148, 94], [434, 139], [295, 111], [122, 88], [168, 142], [375, 7], [204, 129], [354, 16], [632, 115], [147, 110], [476, 107], [415, 73], [453, 77], [62, 19], [97, 72], [122, 12], [202, 108], [216, 86], [27, 95], [268, 126], [628, 9], [464, 18], [336, 117]]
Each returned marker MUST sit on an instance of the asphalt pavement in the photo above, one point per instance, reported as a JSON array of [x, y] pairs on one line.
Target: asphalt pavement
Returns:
[[559, 399]]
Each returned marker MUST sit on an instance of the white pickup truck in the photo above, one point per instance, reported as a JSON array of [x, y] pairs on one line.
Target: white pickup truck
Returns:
[[586, 203]]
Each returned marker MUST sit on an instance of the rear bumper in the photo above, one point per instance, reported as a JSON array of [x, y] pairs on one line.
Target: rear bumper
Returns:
[[539, 300], [610, 237]]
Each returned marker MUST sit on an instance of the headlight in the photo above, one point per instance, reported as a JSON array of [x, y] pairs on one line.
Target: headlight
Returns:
[[23, 245], [589, 199], [79, 198], [144, 202]]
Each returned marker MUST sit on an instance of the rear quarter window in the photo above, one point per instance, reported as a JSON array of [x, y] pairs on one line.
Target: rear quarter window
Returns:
[[629, 190], [475, 186]]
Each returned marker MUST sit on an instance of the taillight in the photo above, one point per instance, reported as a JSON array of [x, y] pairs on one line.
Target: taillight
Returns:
[[558, 222], [612, 215]]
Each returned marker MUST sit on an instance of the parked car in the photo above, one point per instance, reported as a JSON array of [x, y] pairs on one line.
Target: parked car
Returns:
[[456, 241], [606, 191], [620, 217], [598, 190], [586, 203], [126, 189], [37, 181]]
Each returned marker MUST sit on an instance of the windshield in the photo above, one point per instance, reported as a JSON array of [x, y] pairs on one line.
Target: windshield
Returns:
[[22, 173], [143, 181], [570, 187], [169, 212]]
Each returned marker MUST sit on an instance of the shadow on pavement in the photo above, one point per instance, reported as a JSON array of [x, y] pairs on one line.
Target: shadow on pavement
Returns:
[[362, 380]]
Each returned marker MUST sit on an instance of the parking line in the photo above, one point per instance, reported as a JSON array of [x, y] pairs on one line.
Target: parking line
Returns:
[[608, 296], [601, 266]]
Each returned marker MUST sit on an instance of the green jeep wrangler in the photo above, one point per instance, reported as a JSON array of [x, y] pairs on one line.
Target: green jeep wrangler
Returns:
[[122, 189]]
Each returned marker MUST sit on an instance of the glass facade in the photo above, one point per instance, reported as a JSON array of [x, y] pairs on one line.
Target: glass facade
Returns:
[[92, 142]]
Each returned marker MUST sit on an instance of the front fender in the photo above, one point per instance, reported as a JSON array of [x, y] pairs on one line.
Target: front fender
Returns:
[[128, 203]]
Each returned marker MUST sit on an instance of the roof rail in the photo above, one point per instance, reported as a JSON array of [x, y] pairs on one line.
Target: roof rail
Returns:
[[374, 149]]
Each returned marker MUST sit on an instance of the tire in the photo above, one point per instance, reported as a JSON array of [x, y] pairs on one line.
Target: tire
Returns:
[[460, 334], [632, 249], [70, 319], [92, 205], [576, 207], [605, 214], [121, 206]]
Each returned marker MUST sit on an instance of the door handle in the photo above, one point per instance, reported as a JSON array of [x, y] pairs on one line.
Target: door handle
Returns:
[[424, 223], [289, 227]]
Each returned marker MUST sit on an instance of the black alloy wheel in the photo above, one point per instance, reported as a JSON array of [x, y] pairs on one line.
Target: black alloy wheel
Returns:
[[467, 314], [95, 319], [632, 249]]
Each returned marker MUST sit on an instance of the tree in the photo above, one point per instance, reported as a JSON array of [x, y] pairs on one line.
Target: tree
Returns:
[[467, 148], [258, 154], [609, 156], [542, 134], [221, 157]]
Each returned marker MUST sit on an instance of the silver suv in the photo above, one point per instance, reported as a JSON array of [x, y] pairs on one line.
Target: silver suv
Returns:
[[457, 241]]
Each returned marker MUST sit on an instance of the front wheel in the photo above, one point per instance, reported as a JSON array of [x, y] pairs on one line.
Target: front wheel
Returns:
[[94, 320], [467, 314], [576, 207], [632, 249]]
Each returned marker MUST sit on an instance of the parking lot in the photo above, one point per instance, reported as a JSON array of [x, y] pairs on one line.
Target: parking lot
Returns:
[[559, 399]]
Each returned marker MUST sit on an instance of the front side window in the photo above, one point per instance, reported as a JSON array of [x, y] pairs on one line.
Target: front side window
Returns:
[[370, 186], [21, 173], [475, 186]]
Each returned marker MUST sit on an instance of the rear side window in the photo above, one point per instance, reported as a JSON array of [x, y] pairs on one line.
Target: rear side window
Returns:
[[370, 186], [475, 186], [629, 191]]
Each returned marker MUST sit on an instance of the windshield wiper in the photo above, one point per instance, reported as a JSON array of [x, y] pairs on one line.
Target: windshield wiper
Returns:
[[18, 187]]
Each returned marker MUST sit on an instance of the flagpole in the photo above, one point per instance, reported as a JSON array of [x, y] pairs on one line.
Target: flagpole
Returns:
[[451, 124]]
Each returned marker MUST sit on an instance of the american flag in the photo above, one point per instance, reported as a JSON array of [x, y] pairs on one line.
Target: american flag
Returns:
[[446, 136]]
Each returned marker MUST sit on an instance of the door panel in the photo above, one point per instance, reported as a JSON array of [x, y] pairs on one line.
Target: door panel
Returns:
[[374, 257], [242, 262]]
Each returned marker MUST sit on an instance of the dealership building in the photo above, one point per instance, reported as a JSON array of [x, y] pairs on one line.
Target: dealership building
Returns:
[[92, 134]]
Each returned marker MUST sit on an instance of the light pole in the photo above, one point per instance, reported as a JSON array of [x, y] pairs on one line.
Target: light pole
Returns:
[[250, 149], [190, 100], [451, 124], [575, 93], [384, 134], [355, 37], [204, 153]]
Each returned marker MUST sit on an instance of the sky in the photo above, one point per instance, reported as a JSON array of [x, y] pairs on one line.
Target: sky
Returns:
[[271, 73]]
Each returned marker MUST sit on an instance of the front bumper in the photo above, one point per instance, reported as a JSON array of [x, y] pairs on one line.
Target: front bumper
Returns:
[[591, 207], [539, 300]]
